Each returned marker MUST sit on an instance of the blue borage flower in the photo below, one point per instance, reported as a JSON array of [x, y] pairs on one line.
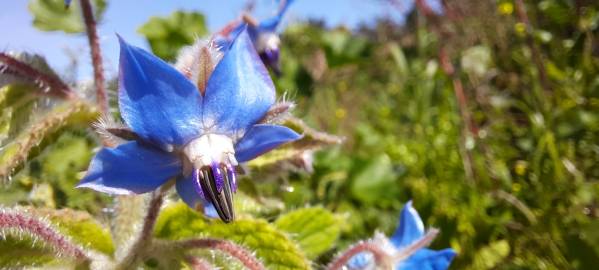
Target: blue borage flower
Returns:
[[264, 36], [195, 133], [67, 3], [410, 231]]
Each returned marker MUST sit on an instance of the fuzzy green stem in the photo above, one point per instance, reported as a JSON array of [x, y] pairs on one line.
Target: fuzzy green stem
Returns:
[[143, 242]]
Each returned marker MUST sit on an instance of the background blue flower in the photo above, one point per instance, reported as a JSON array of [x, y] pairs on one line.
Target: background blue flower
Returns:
[[264, 36], [410, 229]]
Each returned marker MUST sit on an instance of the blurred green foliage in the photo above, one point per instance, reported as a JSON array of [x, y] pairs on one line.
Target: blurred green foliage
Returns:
[[519, 190], [51, 15], [167, 35]]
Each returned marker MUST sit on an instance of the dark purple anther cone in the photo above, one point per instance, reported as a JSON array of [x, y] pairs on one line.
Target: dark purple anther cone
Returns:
[[198, 187], [218, 176], [232, 177]]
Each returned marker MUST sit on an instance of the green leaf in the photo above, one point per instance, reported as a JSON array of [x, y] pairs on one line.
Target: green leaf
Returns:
[[34, 137], [375, 181], [167, 35], [82, 228], [19, 251], [315, 229], [17, 102], [51, 15], [273, 247], [490, 256]]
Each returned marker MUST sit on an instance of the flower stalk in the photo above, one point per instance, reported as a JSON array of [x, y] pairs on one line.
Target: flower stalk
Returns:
[[96, 55], [381, 257], [243, 255], [50, 84], [20, 223], [144, 240]]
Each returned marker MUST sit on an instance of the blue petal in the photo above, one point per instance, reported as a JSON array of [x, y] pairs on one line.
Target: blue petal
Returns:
[[239, 91], [130, 168], [426, 259], [67, 3], [410, 227], [362, 260], [262, 138], [190, 191], [157, 101], [270, 24]]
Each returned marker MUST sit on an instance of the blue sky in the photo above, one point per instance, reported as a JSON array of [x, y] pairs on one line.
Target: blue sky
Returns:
[[125, 16]]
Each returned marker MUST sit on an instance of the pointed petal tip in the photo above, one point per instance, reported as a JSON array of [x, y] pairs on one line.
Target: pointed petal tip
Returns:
[[121, 39], [261, 139]]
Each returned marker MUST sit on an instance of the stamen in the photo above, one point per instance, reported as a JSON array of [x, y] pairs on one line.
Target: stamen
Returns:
[[198, 184], [232, 177], [218, 183], [218, 177]]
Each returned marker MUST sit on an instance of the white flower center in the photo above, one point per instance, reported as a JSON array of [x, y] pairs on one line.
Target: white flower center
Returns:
[[268, 41], [209, 149]]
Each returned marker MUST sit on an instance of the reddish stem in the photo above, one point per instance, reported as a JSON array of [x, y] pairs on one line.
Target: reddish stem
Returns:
[[144, 240], [381, 258], [198, 264], [55, 86], [424, 8], [10, 219], [243, 255], [94, 43]]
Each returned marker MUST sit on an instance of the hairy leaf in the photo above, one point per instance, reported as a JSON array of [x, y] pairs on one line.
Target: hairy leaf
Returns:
[[81, 227], [15, 153], [315, 229], [272, 246]]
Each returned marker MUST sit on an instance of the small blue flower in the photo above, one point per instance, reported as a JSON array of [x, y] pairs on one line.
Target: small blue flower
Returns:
[[265, 37], [197, 137], [409, 231], [67, 3]]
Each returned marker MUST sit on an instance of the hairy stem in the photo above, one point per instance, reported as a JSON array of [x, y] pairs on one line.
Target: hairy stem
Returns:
[[320, 138], [144, 240], [197, 263], [243, 255], [381, 257], [16, 153], [20, 223], [50, 84], [96, 55]]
